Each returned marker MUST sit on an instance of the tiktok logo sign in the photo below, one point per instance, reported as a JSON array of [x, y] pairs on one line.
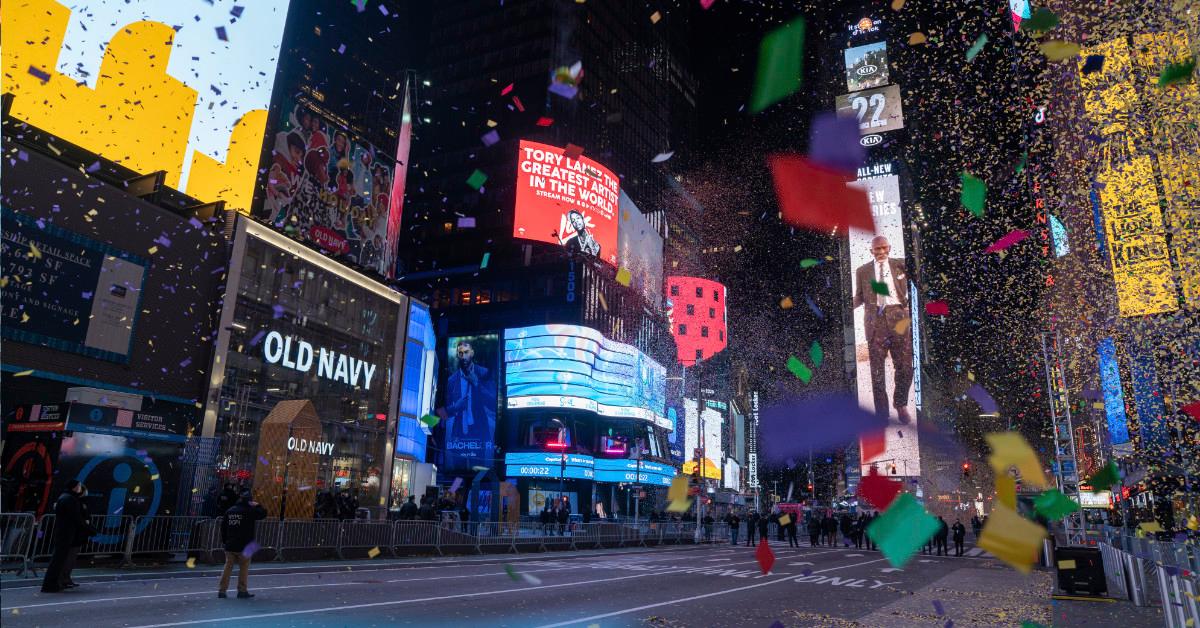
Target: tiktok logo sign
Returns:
[[131, 475]]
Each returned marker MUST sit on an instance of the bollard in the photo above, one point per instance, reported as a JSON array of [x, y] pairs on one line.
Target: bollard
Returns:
[[1048, 553]]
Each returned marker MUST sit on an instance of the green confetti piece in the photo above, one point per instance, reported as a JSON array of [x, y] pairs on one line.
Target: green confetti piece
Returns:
[[1106, 477], [902, 529], [1053, 505], [477, 179], [1024, 162], [1041, 21], [486, 258], [977, 47], [1031, 624], [799, 369], [809, 262], [430, 420], [974, 193], [817, 355], [1177, 72], [512, 573], [780, 64], [878, 287]]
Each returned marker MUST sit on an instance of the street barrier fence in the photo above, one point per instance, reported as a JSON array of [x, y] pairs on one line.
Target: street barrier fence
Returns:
[[1142, 568], [25, 539]]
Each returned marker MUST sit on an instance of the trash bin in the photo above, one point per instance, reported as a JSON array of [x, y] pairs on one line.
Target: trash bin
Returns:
[[1080, 569]]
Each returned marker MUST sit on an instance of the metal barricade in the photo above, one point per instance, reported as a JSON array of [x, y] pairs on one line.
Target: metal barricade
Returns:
[[165, 535], [208, 539], [365, 535], [414, 535], [267, 534], [17, 531], [112, 535], [461, 536], [313, 536]]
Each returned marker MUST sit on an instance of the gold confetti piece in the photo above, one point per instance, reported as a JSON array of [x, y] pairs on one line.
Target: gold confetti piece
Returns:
[[786, 303], [655, 17], [1056, 50], [191, 563], [33, 250], [154, 249], [24, 317], [23, 373], [902, 325], [737, 249], [916, 39], [603, 301], [624, 277], [373, 552], [16, 611], [897, 5], [492, 124], [154, 477], [970, 376]]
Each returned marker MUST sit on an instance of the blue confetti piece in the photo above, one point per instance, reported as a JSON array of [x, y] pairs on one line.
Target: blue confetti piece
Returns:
[[236, 11], [812, 305], [257, 338], [221, 34], [937, 607], [278, 310], [94, 167]]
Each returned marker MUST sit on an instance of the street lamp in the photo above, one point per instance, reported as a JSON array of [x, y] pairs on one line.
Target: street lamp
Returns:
[[562, 449]]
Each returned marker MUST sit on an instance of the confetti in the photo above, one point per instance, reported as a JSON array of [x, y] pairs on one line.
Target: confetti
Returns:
[[191, 563], [799, 369], [879, 287], [1011, 238], [816, 354], [677, 495], [544, 121], [1092, 64], [809, 262], [815, 197], [661, 157], [430, 420], [897, 5], [221, 34], [1106, 477], [974, 193], [477, 179], [1012, 538], [764, 556], [374, 551], [624, 277], [981, 397], [483, 263], [878, 490], [780, 65], [833, 143], [655, 17], [490, 138], [1056, 50], [786, 303], [23, 373], [916, 39], [937, 308], [1011, 449], [977, 47], [572, 151], [1054, 505], [902, 529], [1041, 21], [1178, 72]]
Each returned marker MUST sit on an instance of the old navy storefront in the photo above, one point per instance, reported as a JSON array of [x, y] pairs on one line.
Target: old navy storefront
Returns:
[[306, 378]]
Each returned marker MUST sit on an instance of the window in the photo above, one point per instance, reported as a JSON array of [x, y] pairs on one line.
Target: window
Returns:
[[691, 309], [716, 295], [704, 332], [721, 335], [712, 312], [683, 330], [484, 296], [463, 298], [674, 291], [699, 354], [700, 292]]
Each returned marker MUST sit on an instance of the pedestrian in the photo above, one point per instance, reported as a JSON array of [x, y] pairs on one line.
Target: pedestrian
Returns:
[[68, 521], [856, 531], [813, 524], [237, 534], [870, 541], [779, 531], [227, 499], [545, 515], [764, 523], [208, 508], [976, 525], [751, 527], [733, 521], [960, 532], [791, 533], [85, 532], [564, 515], [846, 526], [464, 516], [940, 537], [425, 511], [830, 528], [408, 511]]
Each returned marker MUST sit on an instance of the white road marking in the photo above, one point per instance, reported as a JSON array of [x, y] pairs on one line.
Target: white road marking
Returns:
[[890, 569]]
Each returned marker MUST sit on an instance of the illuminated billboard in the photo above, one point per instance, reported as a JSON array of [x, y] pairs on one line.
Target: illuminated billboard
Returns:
[[1114, 394], [568, 366], [180, 87], [333, 189], [697, 315], [866, 67], [640, 251], [469, 388], [714, 423], [884, 348], [566, 201], [878, 110]]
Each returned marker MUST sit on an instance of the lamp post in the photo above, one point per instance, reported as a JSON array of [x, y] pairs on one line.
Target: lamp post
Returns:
[[562, 467]]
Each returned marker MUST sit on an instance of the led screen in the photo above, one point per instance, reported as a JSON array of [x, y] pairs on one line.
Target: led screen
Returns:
[[565, 201], [469, 390], [549, 465], [624, 470], [866, 66], [878, 110], [697, 314], [883, 331], [568, 366], [640, 252], [714, 421], [181, 87]]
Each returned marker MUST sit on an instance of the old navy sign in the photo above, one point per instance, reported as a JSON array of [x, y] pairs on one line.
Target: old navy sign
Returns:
[[299, 355]]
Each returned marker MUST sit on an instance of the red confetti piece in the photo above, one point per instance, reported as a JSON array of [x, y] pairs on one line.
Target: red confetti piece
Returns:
[[517, 102], [506, 90], [816, 197], [766, 558], [937, 308], [544, 121], [878, 490], [1013, 237], [1193, 410], [572, 151]]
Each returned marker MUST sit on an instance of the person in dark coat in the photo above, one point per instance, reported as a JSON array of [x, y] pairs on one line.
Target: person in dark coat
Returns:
[[847, 527], [779, 530], [546, 516], [408, 511], [791, 532], [976, 525], [227, 499], [940, 537], [69, 521], [564, 515], [426, 511], [960, 534], [237, 533], [751, 527], [830, 525], [734, 522], [208, 508], [85, 532], [764, 524]]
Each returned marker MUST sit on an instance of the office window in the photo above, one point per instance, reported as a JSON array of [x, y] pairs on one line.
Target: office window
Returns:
[[699, 354], [463, 298], [674, 291], [716, 295], [683, 330], [699, 292], [704, 332], [691, 309], [721, 335], [712, 312]]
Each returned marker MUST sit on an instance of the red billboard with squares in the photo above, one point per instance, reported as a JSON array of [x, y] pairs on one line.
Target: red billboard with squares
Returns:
[[567, 199]]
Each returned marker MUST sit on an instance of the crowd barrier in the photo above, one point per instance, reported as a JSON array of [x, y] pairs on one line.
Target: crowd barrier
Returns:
[[1140, 568], [25, 539]]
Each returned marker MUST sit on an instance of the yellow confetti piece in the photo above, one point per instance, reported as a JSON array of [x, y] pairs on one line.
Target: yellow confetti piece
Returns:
[[191, 563], [154, 477], [23, 373], [970, 376], [603, 301], [492, 124], [1012, 538], [153, 249], [624, 277], [373, 552], [902, 325], [1056, 50], [655, 17], [24, 317], [786, 303], [916, 39], [1150, 526], [33, 250], [16, 611], [897, 5]]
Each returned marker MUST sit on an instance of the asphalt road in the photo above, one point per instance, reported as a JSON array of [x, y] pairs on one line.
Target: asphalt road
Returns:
[[712, 585]]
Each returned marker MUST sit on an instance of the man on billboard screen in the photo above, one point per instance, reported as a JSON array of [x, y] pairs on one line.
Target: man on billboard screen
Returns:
[[470, 404], [580, 241], [880, 289]]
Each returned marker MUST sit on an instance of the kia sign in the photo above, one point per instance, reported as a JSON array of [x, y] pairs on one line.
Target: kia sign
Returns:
[[870, 140], [877, 110], [866, 67], [565, 201]]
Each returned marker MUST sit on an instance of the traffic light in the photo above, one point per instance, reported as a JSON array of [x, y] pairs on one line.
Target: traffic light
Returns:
[[966, 468]]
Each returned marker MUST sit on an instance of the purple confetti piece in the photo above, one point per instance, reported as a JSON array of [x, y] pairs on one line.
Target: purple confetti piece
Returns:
[[221, 34], [949, 623], [257, 338], [264, 461], [195, 223], [777, 624], [163, 240], [185, 363], [361, 5], [812, 305], [39, 74], [981, 397], [806, 572], [937, 606], [466, 222], [250, 548], [342, 49], [784, 431], [490, 138], [87, 295], [278, 309], [833, 142], [22, 155], [564, 90], [236, 11], [94, 167], [383, 10]]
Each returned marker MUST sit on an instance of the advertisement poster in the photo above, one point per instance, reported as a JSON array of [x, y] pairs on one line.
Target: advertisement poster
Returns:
[[714, 421], [878, 110], [640, 251], [565, 201], [330, 188], [883, 330], [866, 67], [181, 87], [68, 292], [568, 366], [469, 427]]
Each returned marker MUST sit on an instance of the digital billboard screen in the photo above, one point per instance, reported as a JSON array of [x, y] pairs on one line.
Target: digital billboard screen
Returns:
[[640, 251], [885, 360], [469, 390], [878, 110], [566, 201], [549, 465], [568, 366], [181, 87], [333, 189], [714, 422], [866, 66]]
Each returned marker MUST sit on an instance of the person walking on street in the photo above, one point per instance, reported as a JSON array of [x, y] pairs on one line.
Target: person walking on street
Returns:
[[814, 529], [708, 527], [870, 542], [940, 537], [237, 533], [544, 517], [751, 528], [564, 514], [734, 521], [85, 532], [408, 511], [960, 532], [847, 527], [830, 529], [976, 525], [764, 524], [856, 530], [69, 521], [791, 532]]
